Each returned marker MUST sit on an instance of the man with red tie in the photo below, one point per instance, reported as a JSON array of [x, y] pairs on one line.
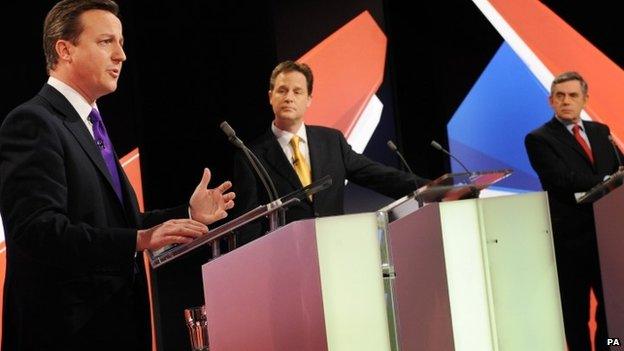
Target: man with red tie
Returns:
[[570, 156]]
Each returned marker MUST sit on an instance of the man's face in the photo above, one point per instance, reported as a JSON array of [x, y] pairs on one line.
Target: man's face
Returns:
[[95, 61], [289, 99], [567, 100]]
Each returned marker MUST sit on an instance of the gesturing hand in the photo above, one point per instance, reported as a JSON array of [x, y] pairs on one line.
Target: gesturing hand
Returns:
[[210, 205], [175, 231]]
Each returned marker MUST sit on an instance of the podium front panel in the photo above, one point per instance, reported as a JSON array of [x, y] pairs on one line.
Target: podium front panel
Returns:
[[422, 301], [266, 295], [522, 272], [311, 285], [609, 230]]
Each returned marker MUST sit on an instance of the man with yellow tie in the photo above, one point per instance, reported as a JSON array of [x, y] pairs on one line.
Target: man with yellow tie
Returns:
[[295, 154]]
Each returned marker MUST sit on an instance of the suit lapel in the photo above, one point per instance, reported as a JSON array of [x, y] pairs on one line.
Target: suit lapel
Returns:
[[275, 157], [562, 134], [76, 126], [593, 135]]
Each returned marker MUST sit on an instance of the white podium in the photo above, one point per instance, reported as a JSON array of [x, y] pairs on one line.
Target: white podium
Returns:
[[477, 274], [311, 285]]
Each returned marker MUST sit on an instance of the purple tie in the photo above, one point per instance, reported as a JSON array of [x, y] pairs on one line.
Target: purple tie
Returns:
[[106, 148]]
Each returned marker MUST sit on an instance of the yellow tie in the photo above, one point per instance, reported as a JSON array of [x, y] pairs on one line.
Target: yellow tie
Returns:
[[300, 164]]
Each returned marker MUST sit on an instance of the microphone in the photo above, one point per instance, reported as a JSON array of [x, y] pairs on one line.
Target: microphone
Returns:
[[259, 169], [231, 135], [396, 150], [616, 150], [439, 147]]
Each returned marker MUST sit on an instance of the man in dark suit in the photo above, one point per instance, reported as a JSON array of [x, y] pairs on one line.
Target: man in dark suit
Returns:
[[571, 156], [74, 234], [295, 154]]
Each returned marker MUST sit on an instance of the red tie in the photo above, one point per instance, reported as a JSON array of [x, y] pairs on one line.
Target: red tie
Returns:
[[577, 135]]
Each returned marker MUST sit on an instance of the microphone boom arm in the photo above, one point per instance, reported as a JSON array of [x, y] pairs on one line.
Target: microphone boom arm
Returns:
[[439, 147], [269, 186]]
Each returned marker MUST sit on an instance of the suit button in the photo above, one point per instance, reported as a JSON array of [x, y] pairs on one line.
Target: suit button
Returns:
[[316, 214]]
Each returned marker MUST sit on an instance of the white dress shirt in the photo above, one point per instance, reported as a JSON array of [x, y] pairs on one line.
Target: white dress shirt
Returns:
[[284, 137], [76, 100]]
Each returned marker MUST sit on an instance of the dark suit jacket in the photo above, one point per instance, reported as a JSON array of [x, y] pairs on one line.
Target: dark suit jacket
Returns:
[[564, 169], [330, 154], [70, 242]]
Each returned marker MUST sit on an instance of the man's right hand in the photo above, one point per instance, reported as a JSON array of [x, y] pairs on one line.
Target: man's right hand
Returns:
[[175, 231]]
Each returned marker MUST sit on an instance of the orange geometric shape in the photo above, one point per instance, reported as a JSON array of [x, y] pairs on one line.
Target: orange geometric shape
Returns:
[[348, 69], [132, 167]]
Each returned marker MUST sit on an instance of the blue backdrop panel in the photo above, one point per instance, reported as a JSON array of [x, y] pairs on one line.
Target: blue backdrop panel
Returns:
[[487, 130]]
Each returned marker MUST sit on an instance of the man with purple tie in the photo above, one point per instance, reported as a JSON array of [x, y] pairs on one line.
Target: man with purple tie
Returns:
[[571, 156], [74, 233]]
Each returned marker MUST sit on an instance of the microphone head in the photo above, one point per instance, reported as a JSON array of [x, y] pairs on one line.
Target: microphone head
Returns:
[[392, 146], [436, 145], [231, 134], [227, 130]]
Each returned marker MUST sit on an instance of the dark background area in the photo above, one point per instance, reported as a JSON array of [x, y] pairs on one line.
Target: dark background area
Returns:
[[193, 64]]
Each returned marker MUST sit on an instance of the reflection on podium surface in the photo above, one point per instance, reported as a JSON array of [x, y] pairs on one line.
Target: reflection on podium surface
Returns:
[[448, 187], [272, 210]]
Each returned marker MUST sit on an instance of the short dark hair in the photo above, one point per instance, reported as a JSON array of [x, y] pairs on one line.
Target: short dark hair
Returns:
[[63, 23], [568, 76], [291, 66]]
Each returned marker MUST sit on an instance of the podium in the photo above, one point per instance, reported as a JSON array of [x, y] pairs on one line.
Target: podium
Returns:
[[477, 274], [311, 285], [597, 192], [609, 223]]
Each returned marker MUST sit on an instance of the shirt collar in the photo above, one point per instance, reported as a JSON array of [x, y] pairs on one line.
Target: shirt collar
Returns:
[[569, 126], [78, 102], [283, 136]]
